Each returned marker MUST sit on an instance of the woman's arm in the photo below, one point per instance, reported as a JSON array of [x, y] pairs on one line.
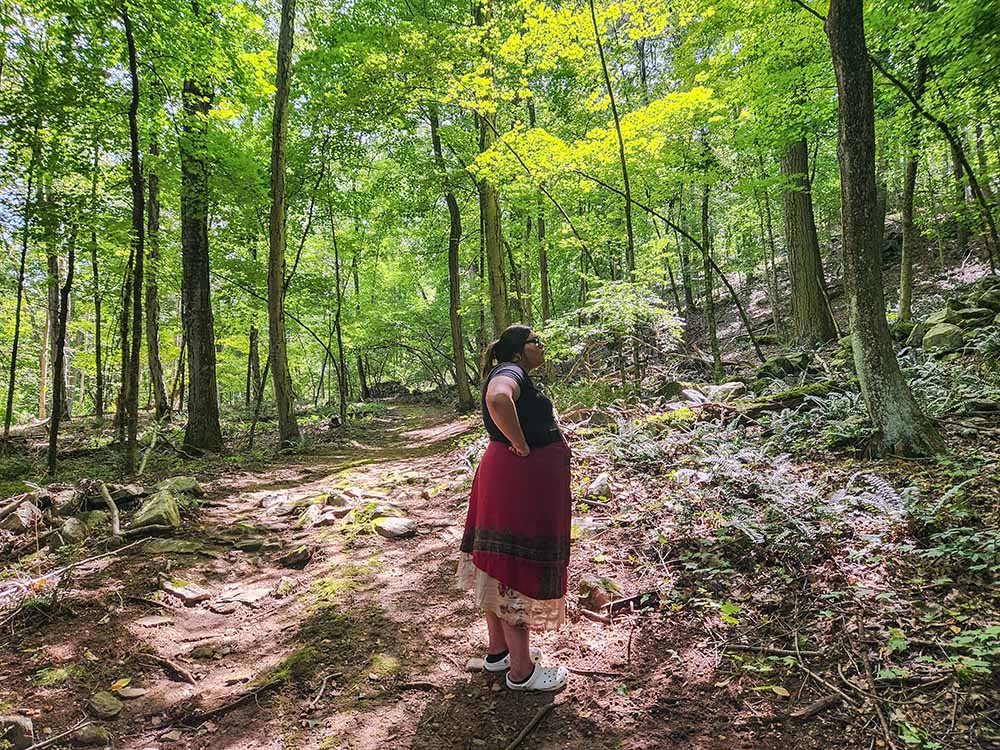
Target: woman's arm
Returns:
[[500, 397]]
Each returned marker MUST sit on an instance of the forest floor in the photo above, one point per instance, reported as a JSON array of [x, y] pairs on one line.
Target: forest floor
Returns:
[[768, 643]]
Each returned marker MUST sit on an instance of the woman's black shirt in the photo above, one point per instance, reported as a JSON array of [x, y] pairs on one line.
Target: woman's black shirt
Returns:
[[534, 409]]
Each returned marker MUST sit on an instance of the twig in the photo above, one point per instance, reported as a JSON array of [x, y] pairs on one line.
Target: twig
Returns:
[[594, 672], [116, 526], [886, 731], [418, 686], [596, 617], [768, 650], [56, 737], [173, 669], [319, 695], [817, 706], [539, 715]]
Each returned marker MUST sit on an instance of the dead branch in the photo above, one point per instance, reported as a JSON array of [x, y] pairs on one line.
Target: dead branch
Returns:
[[539, 715], [817, 706], [57, 737], [171, 669], [768, 650], [116, 526]]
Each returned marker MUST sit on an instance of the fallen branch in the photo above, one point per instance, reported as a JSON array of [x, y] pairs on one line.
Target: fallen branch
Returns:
[[768, 650], [817, 706], [539, 715], [201, 718], [56, 737], [594, 672], [116, 526], [179, 672], [418, 686], [596, 617]]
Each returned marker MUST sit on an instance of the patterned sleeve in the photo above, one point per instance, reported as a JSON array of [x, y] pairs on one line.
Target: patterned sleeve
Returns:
[[512, 371]]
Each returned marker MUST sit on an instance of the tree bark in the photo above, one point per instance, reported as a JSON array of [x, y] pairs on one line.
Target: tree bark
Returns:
[[909, 188], [288, 428], [99, 385], [465, 400], [51, 325], [902, 427], [958, 174], [341, 367], [706, 251], [58, 382], [131, 390], [489, 209], [202, 431], [811, 320], [152, 293]]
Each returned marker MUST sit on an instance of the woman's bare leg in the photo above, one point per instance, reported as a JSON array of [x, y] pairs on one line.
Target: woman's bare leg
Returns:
[[521, 665], [498, 643]]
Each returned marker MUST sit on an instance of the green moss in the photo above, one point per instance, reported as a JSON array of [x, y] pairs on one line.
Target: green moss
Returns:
[[673, 418], [51, 676], [384, 665], [822, 388], [300, 666]]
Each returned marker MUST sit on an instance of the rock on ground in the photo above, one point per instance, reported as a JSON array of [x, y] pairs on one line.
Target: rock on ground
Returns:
[[159, 510], [600, 487], [181, 484], [18, 731], [27, 516], [395, 528], [91, 736], [944, 337], [104, 705]]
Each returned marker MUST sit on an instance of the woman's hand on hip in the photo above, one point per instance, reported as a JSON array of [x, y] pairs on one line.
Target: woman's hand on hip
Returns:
[[521, 450]]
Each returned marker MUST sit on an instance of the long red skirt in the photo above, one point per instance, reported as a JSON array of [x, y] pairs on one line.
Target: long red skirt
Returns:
[[518, 526]]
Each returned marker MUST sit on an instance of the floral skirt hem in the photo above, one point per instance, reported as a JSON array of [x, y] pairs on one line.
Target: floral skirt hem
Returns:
[[509, 605]]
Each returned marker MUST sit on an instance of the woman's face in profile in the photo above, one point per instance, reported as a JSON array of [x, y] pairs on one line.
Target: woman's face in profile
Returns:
[[534, 351]]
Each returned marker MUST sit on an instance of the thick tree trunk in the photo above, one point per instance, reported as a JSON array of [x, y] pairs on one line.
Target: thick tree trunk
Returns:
[[131, 389], [288, 428], [903, 429], [909, 188], [153, 295], [811, 319], [99, 367], [706, 251], [465, 400], [58, 382], [203, 431], [489, 210]]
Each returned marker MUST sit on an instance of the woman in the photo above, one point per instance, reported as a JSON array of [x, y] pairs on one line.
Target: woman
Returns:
[[515, 550]]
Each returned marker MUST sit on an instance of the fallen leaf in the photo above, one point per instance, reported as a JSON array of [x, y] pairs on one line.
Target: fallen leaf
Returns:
[[119, 684]]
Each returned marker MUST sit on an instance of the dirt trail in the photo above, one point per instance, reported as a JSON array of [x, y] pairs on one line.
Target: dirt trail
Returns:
[[365, 647]]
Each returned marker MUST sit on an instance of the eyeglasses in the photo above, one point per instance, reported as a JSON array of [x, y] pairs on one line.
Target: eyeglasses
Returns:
[[536, 341]]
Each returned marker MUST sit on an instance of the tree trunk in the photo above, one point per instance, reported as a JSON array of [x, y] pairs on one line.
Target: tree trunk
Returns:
[[99, 385], [811, 320], [958, 173], [706, 250], [903, 429], [465, 400], [58, 382], [489, 210], [25, 230], [131, 390], [909, 188], [363, 379], [153, 295], [288, 428], [341, 367], [202, 431]]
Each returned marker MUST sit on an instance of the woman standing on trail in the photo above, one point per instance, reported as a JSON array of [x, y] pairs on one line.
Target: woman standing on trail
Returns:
[[515, 550]]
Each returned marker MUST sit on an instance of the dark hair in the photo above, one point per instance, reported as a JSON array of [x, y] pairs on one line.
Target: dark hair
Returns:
[[511, 342]]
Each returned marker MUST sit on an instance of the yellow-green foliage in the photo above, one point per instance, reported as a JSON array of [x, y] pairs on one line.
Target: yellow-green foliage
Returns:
[[673, 418]]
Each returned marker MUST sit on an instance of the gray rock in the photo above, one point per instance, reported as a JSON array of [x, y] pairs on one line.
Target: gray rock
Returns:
[[725, 392], [223, 608], [284, 587], [916, 337], [17, 730], [65, 502], [946, 315], [784, 364], [693, 396], [990, 300], [944, 337], [174, 735], [131, 693], [128, 492], [975, 317], [395, 528], [584, 526], [160, 509], [335, 499], [188, 485], [596, 591], [172, 546], [91, 736], [600, 487], [475, 664], [203, 653], [321, 515], [104, 705], [297, 559], [187, 592], [27, 516], [249, 545], [73, 531]]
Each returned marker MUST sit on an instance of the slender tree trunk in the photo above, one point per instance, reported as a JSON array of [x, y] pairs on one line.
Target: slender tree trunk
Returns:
[[177, 389], [25, 230], [288, 427], [685, 257], [152, 293], [903, 428], [341, 367], [811, 319], [465, 400], [51, 325], [909, 188], [987, 188], [630, 237], [958, 174], [99, 367], [489, 209], [543, 254], [772, 282], [131, 397], [58, 382], [202, 431], [706, 251]]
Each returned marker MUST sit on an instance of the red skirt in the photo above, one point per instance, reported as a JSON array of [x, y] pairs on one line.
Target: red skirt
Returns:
[[518, 526]]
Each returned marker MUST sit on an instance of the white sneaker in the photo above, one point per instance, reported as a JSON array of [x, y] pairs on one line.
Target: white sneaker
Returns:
[[542, 679], [504, 663]]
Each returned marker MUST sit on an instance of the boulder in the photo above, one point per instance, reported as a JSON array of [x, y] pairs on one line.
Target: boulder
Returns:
[[73, 531], [975, 317], [17, 731], [916, 337], [160, 509], [188, 485], [693, 396], [104, 705], [725, 392], [990, 300], [298, 558], [91, 735], [944, 337], [784, 364], [600, 488], [27, 516], [187, 592], [395, 528], [173, 546], [128, 492], [945, 315]]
